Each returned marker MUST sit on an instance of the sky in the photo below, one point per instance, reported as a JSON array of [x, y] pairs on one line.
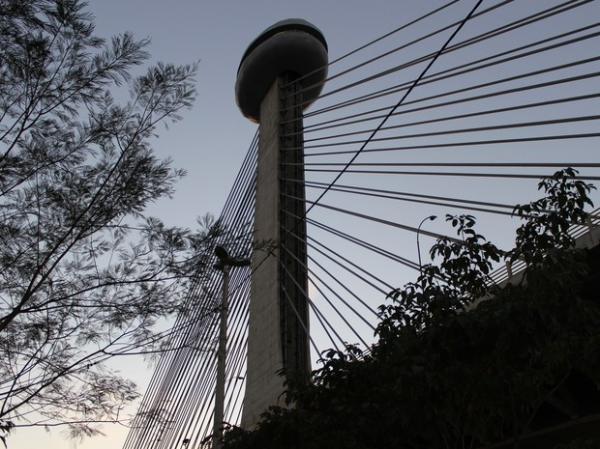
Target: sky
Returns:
[[211, 140]]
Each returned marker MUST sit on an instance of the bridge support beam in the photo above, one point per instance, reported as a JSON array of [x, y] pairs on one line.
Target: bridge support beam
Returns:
[[278, 331], [281, 73]]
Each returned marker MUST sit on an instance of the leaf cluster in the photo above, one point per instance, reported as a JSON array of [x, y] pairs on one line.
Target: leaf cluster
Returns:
[[85, 273], [462, 362]]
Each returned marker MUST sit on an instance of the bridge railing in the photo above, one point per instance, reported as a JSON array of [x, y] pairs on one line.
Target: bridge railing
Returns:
[[585, 235]]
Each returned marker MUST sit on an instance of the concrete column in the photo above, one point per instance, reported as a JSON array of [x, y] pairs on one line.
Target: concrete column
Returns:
[[277, 340]]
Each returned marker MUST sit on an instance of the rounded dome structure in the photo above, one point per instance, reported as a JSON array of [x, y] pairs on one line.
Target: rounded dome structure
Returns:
[[293, 45]]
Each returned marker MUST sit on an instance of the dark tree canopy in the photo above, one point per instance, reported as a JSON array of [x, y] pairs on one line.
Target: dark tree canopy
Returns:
[[462, 362], [85, 274]]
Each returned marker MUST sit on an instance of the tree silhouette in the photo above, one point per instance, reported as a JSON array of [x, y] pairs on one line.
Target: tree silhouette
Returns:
[[85, 274], [461, 361]]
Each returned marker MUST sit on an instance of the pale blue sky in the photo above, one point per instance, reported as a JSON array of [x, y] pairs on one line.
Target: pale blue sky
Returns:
[[212, 139]]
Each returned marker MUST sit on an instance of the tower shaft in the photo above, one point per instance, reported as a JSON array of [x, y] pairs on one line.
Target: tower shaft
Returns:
[[278, 331]]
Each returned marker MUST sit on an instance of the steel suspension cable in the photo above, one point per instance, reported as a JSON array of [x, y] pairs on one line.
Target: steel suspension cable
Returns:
[[305, 265], [209, 366], [485, 85], [455, 164], [245, 165], [412, 200], [463, 144], [396, 50], [519, 89], [208, 327], [367, 306], [431, 62], [357, 241], [312, 305], [291, 304], [487, 35], [374, 41], [507, 126], [241, 171], [448, 73], [344, 267], [452, 117], [208, 374], [459, 174], [379, 220]]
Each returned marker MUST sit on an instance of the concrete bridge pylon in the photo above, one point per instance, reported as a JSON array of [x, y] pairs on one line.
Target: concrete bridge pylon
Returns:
[[280, 74]]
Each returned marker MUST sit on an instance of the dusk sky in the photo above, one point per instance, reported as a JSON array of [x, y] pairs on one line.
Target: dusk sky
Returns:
[[211, 140]]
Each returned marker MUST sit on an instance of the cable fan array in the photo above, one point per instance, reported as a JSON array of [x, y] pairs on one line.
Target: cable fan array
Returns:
[[440, 120], [461, 110], [177, 408]]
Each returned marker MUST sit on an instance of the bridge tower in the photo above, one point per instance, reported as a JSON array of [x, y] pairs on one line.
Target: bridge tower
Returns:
[[280, 74]]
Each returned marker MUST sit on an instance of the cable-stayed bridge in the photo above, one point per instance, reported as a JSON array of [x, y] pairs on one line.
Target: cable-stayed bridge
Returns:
[[461, 110]]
